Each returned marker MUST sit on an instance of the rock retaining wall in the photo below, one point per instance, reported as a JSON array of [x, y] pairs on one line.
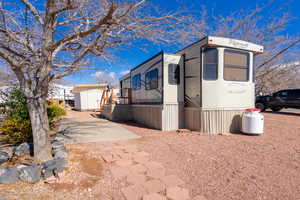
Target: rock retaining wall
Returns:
[[35, 172]]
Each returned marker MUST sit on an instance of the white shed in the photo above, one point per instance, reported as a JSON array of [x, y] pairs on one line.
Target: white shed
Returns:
[[88, 96]]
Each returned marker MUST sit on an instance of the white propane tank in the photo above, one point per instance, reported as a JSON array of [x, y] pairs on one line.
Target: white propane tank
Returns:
[[253, 122]]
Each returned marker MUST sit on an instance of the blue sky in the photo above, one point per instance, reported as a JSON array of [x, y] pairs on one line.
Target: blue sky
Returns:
[[129, 57]]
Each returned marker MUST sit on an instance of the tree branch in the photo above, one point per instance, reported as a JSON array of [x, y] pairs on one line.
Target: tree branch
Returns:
[[34, 11], [93, 29], [279, 53]]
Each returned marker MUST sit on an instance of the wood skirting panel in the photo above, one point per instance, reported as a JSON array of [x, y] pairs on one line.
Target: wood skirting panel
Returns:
[[213, 121], [192, 118], [117, 112], [149, 115]]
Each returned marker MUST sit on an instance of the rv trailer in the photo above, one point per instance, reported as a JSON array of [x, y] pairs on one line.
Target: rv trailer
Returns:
[[205, 87]]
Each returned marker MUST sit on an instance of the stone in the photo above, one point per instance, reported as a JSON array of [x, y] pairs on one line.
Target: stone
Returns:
[[59, 148], [154, 165], [154, 196], [134, 192], [156, 173], [10, 151], [178, 193], [130, 149], [3, 157], [199, 197], [9, 175], [60, 152], [135, 178], [59, 138], [21, 166], [119, 172], [141, 159], [171, 181], [127, 156], [51, 180], [107, 157], [142, 153], [138, 168], [50, 167], [30, 174], [57, 144], [22, 149], [153, 186], [124, 162]]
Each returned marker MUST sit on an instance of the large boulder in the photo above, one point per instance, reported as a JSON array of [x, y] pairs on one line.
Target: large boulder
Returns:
[[52, 167], [60, 153], [57, 144], [59, 137], [59, 150], [9, 175], [30, 174], [22, 149], [3, 157]]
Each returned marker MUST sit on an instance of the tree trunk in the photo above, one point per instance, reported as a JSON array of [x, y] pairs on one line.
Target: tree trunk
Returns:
[[40, 128]]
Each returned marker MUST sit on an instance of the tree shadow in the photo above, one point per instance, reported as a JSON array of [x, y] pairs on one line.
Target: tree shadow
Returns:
[[98, 116], [4, 144]]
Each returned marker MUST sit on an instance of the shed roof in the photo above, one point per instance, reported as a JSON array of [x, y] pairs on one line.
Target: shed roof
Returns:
[[83, 87]]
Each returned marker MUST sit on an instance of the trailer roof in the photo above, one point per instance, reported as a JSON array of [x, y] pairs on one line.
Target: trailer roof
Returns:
[[83, 87], [212, 41], [228, 42], [234, 43], [128, 75]]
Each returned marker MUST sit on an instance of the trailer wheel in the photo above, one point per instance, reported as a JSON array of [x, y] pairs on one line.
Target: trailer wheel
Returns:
[[276, 109], [261, 106]]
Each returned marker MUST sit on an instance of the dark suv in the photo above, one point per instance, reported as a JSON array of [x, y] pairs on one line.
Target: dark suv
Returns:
[[281, 99]]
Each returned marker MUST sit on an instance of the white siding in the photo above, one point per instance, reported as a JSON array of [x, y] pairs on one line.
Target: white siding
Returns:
[[172, 93], [148, 96], [173, 96], [88, 99], [126, 83], [228, 94]]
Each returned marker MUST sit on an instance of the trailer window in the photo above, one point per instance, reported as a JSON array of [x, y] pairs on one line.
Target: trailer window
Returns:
[[236, 65], [136, 81], [210, 64], [151, 80], [174, 74]]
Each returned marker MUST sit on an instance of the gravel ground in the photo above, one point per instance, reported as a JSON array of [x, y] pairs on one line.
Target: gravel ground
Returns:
[[217, 167], [233, 166]]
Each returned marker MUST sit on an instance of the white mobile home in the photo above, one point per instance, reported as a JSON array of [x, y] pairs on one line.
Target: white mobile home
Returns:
[[205, 86], [88, 96]]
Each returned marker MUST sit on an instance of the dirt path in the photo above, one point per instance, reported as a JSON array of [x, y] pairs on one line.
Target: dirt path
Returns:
[[104, 170], [83, 127]]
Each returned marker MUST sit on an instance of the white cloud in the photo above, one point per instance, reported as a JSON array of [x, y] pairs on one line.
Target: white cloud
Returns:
[[122, 73], [104, 76]]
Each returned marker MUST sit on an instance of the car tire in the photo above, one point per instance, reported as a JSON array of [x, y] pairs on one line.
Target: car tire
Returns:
[[261, 106], [276, 109]]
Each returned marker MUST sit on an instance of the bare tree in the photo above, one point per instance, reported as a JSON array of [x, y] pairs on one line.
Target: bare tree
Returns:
[[42, 43], [276, 68], [278, 77]]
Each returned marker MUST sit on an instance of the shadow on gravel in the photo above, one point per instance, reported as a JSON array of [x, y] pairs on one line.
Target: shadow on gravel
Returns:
[[135, 124], [284, 113]]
